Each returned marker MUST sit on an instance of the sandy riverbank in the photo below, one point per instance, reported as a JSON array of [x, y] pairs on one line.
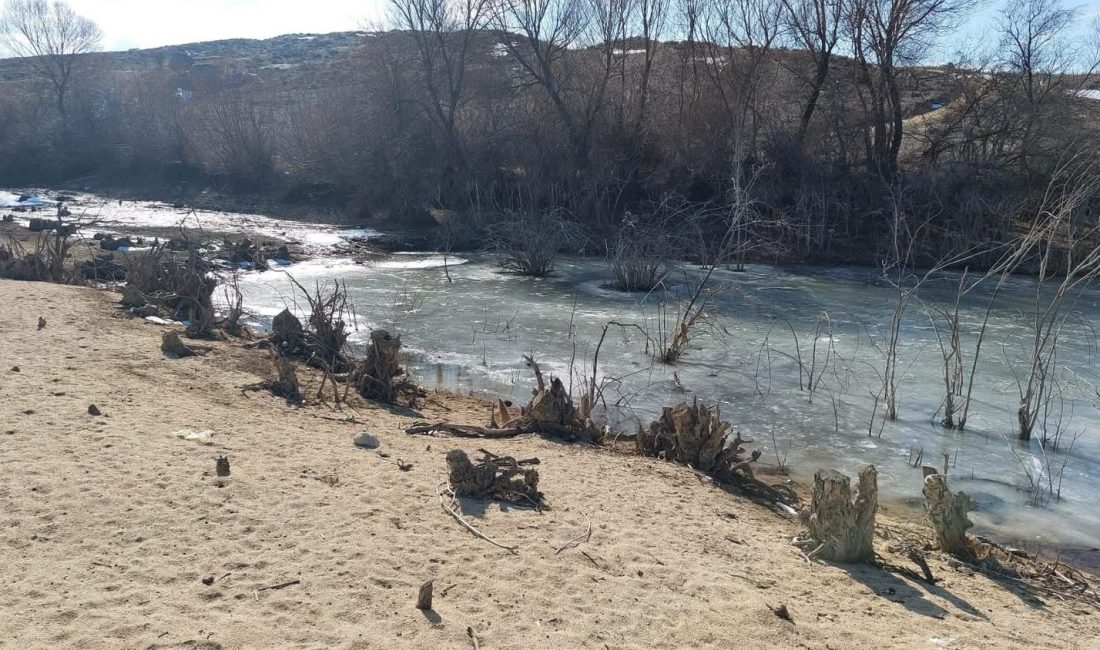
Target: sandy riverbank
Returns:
[[109, 525]]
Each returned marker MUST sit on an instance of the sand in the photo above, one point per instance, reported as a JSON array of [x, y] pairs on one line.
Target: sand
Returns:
[[109, 524]]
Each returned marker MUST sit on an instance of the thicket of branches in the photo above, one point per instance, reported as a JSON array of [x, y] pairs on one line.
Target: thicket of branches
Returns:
[[810, 111]]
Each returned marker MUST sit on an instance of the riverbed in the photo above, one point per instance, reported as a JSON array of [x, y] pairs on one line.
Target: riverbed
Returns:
[[466, 326]]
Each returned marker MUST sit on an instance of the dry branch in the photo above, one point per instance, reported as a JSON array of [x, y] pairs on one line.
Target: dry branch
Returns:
[[452, 509], [462, 430]]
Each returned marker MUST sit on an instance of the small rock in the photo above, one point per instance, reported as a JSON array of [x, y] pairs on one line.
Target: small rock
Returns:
[[208, 580], [221, 466], [782, 612], [366, 441], [41, 323], [15, 368], [93, 410]]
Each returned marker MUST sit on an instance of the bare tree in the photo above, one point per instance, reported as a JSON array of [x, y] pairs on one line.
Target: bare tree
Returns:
[[1037, 59], [885, 35], [445, 33], [816, 26], [651, 17], [740, 36], [566, 47], [1033, 44], [51, 37]]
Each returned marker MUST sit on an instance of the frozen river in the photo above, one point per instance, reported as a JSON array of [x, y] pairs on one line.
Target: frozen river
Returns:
[[470, 334]]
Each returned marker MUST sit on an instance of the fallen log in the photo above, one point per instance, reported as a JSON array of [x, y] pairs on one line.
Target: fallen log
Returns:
[[463, 430]]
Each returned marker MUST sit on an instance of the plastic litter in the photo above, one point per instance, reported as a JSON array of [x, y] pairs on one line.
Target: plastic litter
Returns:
[[201, 437]]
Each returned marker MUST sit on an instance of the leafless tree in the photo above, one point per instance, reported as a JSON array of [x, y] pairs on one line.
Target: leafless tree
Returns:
[[815, 26], [1037, 57], [650, 19], [52, 38], [1033, 44], [740, 36], [565, 47], [885, 35], [445, 33]]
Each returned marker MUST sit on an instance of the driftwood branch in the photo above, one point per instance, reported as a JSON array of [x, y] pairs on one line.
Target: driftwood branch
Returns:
[[577, 540], [451, 509], [463, 430]]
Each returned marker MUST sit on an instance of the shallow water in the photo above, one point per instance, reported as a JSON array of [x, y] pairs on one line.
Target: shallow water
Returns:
[[127, 217], [470, 334]]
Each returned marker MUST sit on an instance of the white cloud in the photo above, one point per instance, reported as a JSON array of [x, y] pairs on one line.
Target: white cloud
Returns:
[[151, 23]]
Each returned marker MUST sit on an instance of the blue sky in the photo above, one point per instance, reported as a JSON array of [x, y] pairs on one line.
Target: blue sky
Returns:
[[150, 23]]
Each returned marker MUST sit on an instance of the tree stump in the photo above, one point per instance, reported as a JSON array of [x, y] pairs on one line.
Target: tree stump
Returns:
[[133, 297], [285, 384], [171, 345], [553, 406], [424, 596], [286, 330], [948, 513], [842, 523], [375, 376], [495, 477], [695, 435]]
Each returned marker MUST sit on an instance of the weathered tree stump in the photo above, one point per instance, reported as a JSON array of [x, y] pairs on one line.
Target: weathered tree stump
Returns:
[[424, 596], [948, 513], [551, 406], [842, 523], [285, 384], [171, 345], [695, 435], [133, 297], [286, 329], [495, 477], [551, 411], [378, 376]]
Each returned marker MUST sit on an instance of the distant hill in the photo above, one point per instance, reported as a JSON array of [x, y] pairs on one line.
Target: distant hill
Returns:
[[252, 54]]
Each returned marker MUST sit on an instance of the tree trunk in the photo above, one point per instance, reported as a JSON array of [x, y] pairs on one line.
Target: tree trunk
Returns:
[[843, 523], [948, 513]]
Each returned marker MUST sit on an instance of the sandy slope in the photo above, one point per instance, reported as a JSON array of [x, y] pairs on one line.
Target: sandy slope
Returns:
[[109, 524]]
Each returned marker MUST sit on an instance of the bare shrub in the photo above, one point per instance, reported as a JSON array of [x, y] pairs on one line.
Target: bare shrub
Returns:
[[17, 263], [528, 244], [636, 256], [180, 283], [46, 261]]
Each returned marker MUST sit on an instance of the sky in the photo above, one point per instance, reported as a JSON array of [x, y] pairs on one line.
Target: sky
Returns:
[[128, 24], [151, 23]]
